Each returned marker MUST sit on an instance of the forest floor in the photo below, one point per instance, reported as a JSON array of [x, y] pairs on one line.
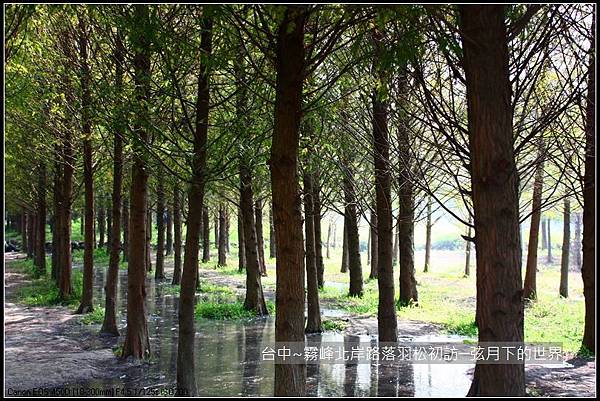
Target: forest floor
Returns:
[[45, 347]]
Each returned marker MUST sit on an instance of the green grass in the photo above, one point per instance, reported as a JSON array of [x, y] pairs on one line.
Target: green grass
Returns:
[[101, 256], [334, 325], [43, 291], [95, 317], [226, 311]]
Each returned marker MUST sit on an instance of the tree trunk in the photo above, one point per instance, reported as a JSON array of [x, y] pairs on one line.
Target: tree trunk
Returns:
[[206, 235], [566, 249], [272, 245], [255, 300], [259, 237], [186, 376], [241, 243], [31, 236], [494, 183], [406, 214], [549, 257], [87, 293], [159, 273], [318, 234], [354, 263], [313, 321], [169, 228], [109, 325], [108, 228], [588, 268], [101, 222], [217, 231], [577, 242], [68, 161], [327, 254], [468, 253], [222, 251], [345, 258], [428, 225], [40, 252], [530, 287], [177, 234], [137, 342], [25, 230], [396, 247], [374, 241], [125, 228], [544, 234], [290, 379], [148, 256], [386, 311]]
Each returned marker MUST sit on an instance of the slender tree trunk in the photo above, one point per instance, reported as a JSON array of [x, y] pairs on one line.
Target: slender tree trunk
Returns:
[[530, 287], [327, 253], [40, 252], [222, 251], [428, 226], [255, 300], [577, 242], [406, 214], [566, 249], [318, 233], [87, 294], [108, 228], [290, 379], [345, 258], [125, 228], [148, 236], [374, 241], [588, 268], [272, 245], [206, 235], [494, 183], [31, 236], [396, 242], [544, 234], [241, 242], [109, 325], [217, 230], [468, 253], [137, 342], [25, 230], [259, 237], [177, 234], [386, 311], [186, 376], [354, 263], [169, 228], [159, 273], [549, 257], [68, 161], [313, 321], [101, 222], [227, 231]]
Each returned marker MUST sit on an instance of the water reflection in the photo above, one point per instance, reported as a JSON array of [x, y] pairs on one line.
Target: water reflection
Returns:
[[228, 358]]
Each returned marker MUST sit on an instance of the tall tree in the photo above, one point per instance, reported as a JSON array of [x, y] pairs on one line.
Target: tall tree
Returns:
[[494, 184]]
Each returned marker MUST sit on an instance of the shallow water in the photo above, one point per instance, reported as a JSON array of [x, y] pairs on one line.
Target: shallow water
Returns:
[[228, 358]]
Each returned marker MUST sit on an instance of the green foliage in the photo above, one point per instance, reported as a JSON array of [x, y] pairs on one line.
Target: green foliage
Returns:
[[334, 325], [94, 317], [226, 311]]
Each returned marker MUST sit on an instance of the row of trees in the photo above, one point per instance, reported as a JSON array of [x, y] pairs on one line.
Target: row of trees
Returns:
[[485, 112]]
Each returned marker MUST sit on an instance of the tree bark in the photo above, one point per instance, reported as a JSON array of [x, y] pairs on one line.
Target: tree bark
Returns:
[[566, 249], [159, 273], [494, 182], [549, 238], [259, 237], [386, 310], [313, 321], [290, 379], [137, 344], [530, 287], [354, 263], [109, 325], [40, 251], [327, 254], [374, 241], [206, 235], [186, 376], [544, 234], [31, 236], [177, 235], [272, 245], [101, 222], [241, 242], [222, 251], [588, 268], [318, 234], [125, 228], [148, 235], [255, 300], [25, 230], [428, 226], [345, 258], [169, 228], [577, 242]]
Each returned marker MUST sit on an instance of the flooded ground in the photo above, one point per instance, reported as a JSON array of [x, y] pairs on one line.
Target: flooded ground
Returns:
[[50, 348]]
